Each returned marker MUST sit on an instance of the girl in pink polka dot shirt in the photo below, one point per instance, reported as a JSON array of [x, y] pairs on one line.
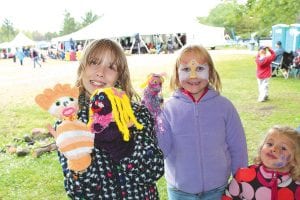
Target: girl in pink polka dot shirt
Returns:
[[276, 172]]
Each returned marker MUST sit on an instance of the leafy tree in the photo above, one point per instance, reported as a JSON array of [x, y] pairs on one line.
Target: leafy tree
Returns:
[[88, 19], [271, 12], [7, 31], [230, 15], [49, 35], [69, 25], [256, 16]]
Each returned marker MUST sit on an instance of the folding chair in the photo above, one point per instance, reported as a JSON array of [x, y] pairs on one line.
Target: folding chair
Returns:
[[285, 64], [276, 66]]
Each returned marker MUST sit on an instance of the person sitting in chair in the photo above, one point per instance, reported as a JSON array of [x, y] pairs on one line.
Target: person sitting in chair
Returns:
[[279, 52]]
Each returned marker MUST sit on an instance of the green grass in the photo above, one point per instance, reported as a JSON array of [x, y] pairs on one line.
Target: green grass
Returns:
[[41, 178]]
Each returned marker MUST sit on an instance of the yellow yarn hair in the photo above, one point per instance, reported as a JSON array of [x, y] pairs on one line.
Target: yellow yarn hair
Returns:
[[149, 77], [121, 110]]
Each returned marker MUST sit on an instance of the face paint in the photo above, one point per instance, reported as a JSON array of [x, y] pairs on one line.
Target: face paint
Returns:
[[193, 70], [283, 160]]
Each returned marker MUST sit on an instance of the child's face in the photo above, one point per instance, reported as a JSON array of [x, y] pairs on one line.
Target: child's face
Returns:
[[99, 75], [193, 74], [277, 152]]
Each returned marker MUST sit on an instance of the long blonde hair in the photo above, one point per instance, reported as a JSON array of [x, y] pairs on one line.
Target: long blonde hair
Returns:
[[107, 47], [294, 136], [202, 53]]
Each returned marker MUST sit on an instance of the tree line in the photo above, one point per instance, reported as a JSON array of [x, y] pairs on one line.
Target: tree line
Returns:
[[254, 16], [8, 31]]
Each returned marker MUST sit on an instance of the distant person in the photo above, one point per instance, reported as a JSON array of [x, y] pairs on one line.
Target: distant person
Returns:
[[263, 61], [279, 53], [275, 174], [20, 55], [170, 45], [35, 58], [199, 131], [138, 42]]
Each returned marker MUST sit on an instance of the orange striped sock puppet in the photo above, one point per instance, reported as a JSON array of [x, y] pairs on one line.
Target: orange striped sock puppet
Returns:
[[73, 137]]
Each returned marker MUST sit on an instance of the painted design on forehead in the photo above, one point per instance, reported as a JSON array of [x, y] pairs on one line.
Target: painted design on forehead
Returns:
[[193, 70]]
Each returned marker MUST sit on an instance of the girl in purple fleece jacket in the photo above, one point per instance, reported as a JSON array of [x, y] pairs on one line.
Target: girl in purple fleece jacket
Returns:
[[200, 131]]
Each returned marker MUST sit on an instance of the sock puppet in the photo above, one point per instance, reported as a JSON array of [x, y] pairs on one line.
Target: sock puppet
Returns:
[[111, 117], [73, 138], [152, 96]]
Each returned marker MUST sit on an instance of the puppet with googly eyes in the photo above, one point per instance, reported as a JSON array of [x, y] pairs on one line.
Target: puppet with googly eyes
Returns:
[[73, 138], [111, 119]]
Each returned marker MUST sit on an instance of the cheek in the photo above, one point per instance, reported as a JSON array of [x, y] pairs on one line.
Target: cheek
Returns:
[[55, 111], [182, 75], [203, 74]]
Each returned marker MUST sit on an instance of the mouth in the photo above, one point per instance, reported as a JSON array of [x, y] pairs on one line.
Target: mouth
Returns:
[[193, 82], [67, 112], [271, 156], [97, 83]]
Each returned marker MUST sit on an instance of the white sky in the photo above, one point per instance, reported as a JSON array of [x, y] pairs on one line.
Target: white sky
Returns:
[[48, 15]]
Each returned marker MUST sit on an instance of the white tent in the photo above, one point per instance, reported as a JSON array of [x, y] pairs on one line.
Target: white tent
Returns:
[[21, 40], [110, 27], [4, 45]]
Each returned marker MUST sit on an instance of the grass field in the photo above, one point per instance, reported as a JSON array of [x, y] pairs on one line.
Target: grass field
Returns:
[[41, 178]]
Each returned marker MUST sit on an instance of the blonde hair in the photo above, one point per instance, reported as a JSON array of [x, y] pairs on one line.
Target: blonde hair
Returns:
[[104, 48], [202, 53], [294, 136]]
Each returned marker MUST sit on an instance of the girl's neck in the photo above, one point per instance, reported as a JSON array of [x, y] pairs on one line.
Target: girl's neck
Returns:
[[283, 170]]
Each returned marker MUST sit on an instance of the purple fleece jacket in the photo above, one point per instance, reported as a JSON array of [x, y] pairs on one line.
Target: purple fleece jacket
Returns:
[[203, 143]]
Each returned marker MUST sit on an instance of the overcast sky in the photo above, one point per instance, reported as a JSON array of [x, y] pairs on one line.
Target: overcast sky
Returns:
[[47, 16]]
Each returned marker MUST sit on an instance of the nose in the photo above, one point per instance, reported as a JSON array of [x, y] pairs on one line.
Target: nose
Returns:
[[65, 103], [193, 74], [275, 149], [99, 74], [100, 71]]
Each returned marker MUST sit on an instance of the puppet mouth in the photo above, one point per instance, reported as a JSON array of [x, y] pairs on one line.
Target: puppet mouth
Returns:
[[67, 112]]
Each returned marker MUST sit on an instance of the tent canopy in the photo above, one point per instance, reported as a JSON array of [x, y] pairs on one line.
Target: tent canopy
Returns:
[[21, 40], [4, 45], [111, 27]]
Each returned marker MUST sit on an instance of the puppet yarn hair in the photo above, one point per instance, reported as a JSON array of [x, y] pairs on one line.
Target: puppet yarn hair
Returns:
[[121, 110]]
